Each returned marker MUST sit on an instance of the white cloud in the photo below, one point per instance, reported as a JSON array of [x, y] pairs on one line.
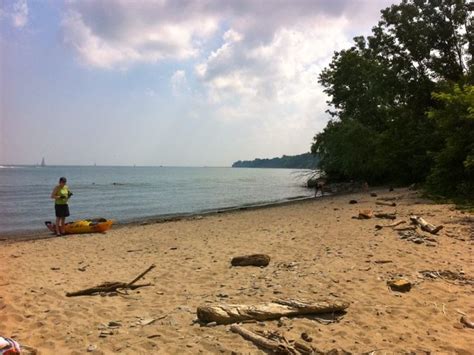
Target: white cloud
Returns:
[[18, 13], [116, 34], [272, 86], [232, 36], [179, 82], [91, 48], [281, 72]]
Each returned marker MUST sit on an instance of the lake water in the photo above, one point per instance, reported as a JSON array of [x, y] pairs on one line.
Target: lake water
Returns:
[[126, 194]]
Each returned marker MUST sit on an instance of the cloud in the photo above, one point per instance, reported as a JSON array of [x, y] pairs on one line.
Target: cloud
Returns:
[[179, 83], [271, 87], [268, 70], [116, 34], [119, 33], [17, 12], [20, 13], [91, 48]]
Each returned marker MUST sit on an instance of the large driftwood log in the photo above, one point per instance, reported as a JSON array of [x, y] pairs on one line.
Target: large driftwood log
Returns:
[[251, 260], [424, 225], [112, 286], [274, 346], [226, 314]]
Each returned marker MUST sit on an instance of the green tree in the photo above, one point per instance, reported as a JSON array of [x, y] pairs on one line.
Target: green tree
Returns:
[[453, 172], [346, 151], [380, 90]]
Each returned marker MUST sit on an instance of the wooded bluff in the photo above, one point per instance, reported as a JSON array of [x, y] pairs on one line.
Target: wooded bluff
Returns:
[[302, 161]]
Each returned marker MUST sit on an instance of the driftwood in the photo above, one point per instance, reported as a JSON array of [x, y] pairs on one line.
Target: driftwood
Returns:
[[383, 203], [226, 314], [468, 323], [251, 260], [112, 286], [365, 214], [407, 228], [386, 198], [448, 276], [263, 342], [278, 344], [424, 225], [392, 225], [386, 215]]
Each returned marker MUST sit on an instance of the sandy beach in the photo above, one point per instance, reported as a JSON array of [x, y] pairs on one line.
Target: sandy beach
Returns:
[[318, 252]]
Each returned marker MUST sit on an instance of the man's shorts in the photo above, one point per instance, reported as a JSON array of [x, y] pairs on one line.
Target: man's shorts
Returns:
[[61, 210]]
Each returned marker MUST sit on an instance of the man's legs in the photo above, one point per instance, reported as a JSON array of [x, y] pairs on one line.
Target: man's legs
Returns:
[[63, 222], [58, 230]]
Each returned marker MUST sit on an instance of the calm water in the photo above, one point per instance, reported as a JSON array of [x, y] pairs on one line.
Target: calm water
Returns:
[[132, 193]]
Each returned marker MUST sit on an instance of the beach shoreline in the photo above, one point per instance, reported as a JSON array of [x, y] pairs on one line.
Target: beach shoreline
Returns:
[[19, 236], [318, 251]]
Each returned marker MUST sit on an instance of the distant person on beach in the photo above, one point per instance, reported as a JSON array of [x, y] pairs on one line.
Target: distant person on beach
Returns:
[[61, 195], [319, 186]]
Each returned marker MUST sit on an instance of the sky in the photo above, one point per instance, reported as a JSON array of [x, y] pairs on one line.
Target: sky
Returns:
[[168, 82]]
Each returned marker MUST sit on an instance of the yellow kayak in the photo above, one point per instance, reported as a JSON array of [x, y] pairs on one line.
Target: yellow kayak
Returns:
[[99, 225]]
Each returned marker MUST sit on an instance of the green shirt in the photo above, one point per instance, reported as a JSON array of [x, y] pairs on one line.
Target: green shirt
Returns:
[[63, 192]]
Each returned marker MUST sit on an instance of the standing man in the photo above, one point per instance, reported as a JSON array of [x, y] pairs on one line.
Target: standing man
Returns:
[[61, 196], [319, 186]]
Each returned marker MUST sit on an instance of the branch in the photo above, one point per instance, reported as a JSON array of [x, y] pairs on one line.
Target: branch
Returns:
[[274, 346], [111, 286], [141, 275]]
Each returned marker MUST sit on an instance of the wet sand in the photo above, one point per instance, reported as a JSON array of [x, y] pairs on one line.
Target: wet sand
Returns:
[[318, 251]]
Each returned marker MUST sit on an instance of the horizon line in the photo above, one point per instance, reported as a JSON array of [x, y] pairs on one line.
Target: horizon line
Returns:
[[124, 166]]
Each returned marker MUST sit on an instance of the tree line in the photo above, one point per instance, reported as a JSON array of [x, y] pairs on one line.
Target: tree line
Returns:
[[402, 101], [301, 161]]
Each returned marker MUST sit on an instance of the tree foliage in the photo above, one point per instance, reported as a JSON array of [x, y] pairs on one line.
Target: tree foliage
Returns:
[[453, 171], [380, 92]]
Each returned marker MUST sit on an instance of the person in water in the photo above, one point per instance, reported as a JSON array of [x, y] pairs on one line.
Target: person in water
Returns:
[[61, 195]]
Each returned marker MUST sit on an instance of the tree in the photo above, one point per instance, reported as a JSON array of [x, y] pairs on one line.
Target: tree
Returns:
[[346, 152], [380, 90], [453, 172]]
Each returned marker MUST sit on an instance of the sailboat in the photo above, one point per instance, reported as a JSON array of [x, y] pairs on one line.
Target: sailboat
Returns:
[[43, 164]]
